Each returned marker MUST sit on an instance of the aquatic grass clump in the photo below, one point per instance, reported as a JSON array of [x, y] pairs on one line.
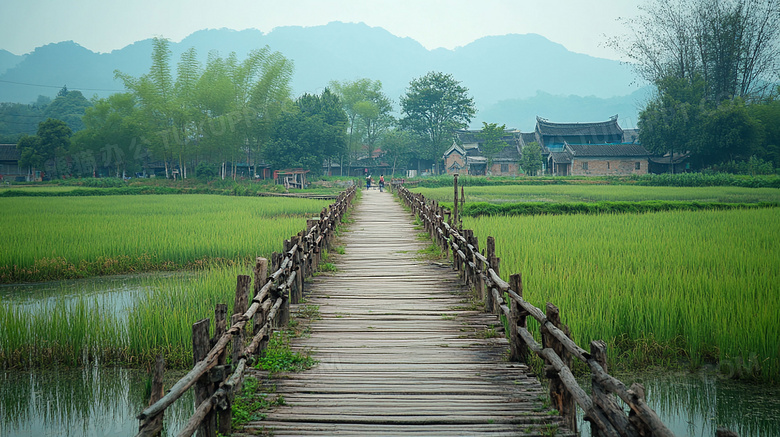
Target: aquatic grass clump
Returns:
[[669, 288], [57, 238], [77, 330]]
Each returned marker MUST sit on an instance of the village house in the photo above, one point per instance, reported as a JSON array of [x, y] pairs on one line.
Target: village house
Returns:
[[9, 164], [588, 149], [466, 157]]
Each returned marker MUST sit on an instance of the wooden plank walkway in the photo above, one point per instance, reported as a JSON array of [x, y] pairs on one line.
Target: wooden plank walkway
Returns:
[[401, 350]]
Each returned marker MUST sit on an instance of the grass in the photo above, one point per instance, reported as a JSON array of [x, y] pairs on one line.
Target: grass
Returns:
[[77, 330], [279, 357], [602, 193], [669, 289], [60, 238]]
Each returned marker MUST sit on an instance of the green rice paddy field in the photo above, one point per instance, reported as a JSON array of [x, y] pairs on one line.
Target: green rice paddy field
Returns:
[[55, 238], [47, 238], [665, 288], [598, 193]]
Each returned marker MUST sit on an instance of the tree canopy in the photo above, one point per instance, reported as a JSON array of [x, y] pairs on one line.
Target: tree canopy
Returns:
[[368, 113], [433, 108], [492, 144], [308, 132]]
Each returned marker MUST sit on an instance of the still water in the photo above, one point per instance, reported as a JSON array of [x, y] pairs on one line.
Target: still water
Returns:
[[696, 404], [91, 402]]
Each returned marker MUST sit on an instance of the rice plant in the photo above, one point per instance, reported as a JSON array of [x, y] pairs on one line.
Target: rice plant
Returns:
[[599, 193], [703, 284], [58, 238]]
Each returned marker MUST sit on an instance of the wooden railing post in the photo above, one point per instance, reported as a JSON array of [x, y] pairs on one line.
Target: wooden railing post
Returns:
[[559, 395], [491, 257], [261, 277], [612, 411], [203, 387], [454, 222], [518, 348]]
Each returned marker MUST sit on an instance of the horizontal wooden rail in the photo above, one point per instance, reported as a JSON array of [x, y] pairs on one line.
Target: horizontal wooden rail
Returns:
[[481, 269], [215, 384]]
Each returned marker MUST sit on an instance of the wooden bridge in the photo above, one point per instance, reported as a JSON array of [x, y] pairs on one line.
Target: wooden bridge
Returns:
[[406, 345], [402, 347]]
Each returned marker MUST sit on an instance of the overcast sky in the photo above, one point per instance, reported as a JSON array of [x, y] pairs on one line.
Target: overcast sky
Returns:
[[105, 25]]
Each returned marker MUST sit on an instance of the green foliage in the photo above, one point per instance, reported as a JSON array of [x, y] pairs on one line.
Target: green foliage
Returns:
[[433, 108], [278, 357], [47, 149], [252, 402], [490, 141], [531, 160], [212, 113], [205, 171], [368, 113], [68, 106], [307, 133]]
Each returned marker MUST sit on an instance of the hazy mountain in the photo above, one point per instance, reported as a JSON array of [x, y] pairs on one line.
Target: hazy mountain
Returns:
[[522, 113], [509, 76], [8, 60]]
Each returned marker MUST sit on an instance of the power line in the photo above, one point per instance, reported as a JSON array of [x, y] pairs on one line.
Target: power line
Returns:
[[58, 87]]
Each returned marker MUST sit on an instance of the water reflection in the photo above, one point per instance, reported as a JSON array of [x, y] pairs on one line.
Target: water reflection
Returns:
[[90, 402], [120, 292], [697, 404]]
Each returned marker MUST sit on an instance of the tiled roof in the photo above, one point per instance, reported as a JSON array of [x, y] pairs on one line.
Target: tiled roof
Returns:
[[507, 154], [472, 136], [606, 150], [602, 128], [9, 152], [561, 157]]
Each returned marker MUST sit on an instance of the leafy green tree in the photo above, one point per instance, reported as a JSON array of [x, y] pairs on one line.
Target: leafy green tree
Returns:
[[433, 108], [767, 114], [68, 106], [225, 110], [114, 137], [368, 112], [672, 121], [397, 145], [729, 133], [310, 131], [155, 94], [491, 142], [531, 159], [17, 119], [48, 148]]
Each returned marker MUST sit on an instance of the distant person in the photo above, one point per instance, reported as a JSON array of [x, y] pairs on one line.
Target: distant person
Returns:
[[368, 182], [381, 183]]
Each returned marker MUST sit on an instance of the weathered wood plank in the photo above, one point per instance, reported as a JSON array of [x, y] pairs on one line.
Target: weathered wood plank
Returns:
[[402, 349]]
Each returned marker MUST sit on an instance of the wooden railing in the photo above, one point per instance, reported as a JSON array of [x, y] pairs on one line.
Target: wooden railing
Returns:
[[481, 270], [216, 382]]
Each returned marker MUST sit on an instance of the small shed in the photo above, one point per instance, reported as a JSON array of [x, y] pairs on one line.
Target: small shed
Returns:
[[291, 178]]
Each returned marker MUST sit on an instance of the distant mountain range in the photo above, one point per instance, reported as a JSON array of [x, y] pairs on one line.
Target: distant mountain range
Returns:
[[513, 78]]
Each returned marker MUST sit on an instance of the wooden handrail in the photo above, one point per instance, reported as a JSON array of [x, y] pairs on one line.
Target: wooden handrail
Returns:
[[481, 270], [270, 305]]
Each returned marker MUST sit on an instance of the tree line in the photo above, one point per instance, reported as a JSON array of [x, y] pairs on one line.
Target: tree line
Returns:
[[716, 68]]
